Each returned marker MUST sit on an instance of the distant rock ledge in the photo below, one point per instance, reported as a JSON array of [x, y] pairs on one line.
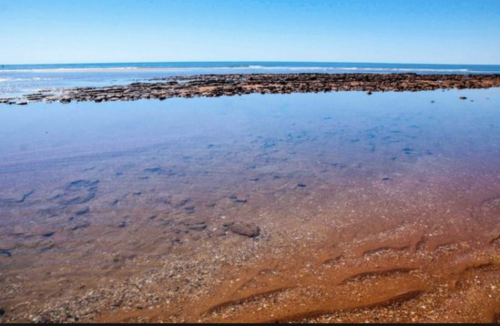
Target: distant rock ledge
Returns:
[[242, 84]]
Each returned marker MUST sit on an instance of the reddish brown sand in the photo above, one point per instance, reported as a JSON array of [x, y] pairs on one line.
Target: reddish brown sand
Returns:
[[144, 234]]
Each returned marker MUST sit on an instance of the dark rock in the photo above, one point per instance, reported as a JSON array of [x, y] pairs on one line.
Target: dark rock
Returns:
[[2, 312], [155, 170], [79, 226], [122, 225], [17, 201], [78, 192], [26, 196], [198, 227], [48, 248], [80, 184], [77, 200], [180, 231], [190, 209], [245, 229], [463, 98], [5, 253], [48, 234], [301, 185], [181, 203], [195, 225], [83, 211], [238, 200], [407, 150]]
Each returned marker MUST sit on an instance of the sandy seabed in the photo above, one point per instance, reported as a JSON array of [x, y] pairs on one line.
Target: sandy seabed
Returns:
[[305, 208]]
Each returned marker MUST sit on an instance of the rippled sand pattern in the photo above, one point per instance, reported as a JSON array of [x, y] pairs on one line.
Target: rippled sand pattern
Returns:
[[306, 207]]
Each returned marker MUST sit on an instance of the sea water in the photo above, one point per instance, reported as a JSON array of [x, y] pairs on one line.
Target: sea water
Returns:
[[378, 196], [22, 79]]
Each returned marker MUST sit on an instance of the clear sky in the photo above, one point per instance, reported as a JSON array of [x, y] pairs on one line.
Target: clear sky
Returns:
[[395, 31]]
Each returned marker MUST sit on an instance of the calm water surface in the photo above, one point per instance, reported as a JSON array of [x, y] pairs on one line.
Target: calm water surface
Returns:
[[81, 184]]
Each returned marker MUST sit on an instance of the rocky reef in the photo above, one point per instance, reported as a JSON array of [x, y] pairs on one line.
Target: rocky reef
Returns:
[[241, 84]]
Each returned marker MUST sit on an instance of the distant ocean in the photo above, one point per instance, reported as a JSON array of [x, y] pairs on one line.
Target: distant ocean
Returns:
[[21, 79]]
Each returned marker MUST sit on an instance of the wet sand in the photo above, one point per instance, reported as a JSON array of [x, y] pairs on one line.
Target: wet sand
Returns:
[[307, 207]]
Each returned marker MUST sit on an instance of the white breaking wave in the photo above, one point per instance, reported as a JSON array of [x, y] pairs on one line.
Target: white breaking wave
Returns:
[[348, 69], [64, 70], [76, 69], [317, 68], [4, 80], [38, 79]]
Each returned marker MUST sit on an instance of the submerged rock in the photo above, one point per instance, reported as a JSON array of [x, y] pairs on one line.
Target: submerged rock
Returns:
[[158, 170], [195, 225], [5, 253], [83, 211], [245, 229], [77, 193], [80, 226], [238, 199]]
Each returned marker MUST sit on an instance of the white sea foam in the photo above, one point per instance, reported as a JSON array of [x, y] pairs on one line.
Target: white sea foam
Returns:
[[360, 69], [249, 67], [4, 80], [351, 69], [55, 70]]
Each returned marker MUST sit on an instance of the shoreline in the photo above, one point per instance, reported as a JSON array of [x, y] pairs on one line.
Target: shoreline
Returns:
[[245, 84]]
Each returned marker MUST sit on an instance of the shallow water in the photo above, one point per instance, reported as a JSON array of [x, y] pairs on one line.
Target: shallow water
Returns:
[[344, 180]]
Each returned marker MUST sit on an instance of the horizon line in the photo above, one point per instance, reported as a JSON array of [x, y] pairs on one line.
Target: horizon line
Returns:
[[249, 61]]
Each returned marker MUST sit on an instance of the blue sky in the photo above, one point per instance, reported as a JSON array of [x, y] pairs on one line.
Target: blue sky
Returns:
[[402, 31]]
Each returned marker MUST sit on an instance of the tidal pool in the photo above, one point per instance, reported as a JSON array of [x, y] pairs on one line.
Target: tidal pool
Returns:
[[305, 207]]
